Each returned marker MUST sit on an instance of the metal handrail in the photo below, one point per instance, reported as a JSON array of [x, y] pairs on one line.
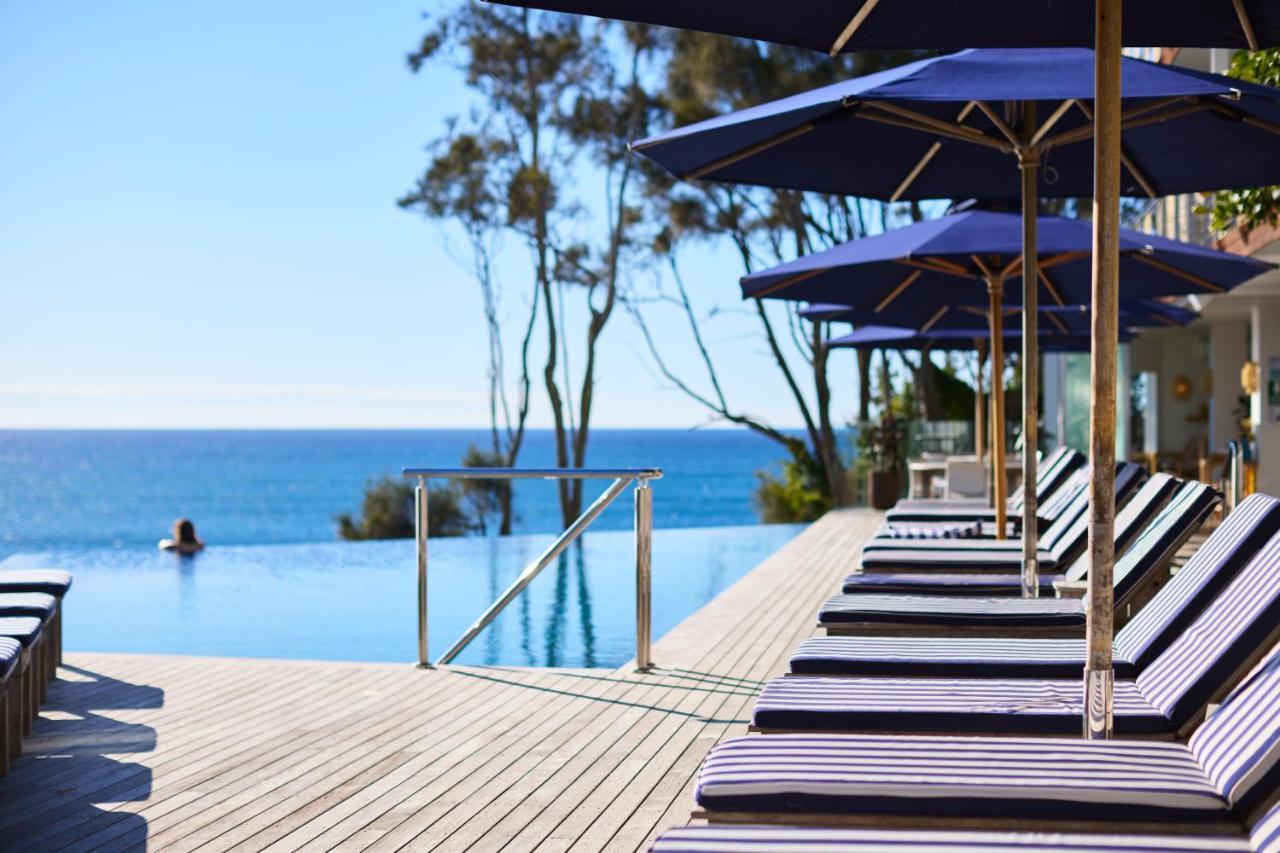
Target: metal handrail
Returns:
[[622, 477]]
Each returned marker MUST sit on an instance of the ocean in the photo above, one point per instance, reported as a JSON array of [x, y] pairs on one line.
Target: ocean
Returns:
[[93, 488]]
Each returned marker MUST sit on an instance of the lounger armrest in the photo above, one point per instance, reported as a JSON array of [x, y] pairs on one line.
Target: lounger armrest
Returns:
[[1070, 589]]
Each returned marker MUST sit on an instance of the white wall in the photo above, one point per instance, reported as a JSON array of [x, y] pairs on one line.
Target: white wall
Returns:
[[1265, 320], [1228, 351]]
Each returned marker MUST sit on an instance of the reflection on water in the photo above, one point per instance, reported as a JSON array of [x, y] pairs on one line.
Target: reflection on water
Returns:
[[357, 601]]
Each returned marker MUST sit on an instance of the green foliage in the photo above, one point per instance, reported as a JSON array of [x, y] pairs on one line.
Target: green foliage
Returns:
[[796, 496], [1251, 208], [387, 512], [485, 498], [884, 445]]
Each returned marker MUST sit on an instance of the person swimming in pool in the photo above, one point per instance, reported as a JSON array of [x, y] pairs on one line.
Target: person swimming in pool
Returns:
[[184, 539]]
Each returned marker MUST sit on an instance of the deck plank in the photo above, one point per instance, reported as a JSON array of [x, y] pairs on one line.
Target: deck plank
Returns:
[[183, 753]]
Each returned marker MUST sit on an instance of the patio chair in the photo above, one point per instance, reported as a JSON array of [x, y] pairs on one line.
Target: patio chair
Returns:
[[1136, 645], [1063, 543], [1166, 700], [1263, 837], [1135, 573], [1221, 781], [28, 632]]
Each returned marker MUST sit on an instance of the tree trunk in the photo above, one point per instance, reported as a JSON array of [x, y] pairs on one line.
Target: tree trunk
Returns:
[[864, 386]]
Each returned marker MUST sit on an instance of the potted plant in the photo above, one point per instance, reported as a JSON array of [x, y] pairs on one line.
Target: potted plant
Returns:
[[883, 446]]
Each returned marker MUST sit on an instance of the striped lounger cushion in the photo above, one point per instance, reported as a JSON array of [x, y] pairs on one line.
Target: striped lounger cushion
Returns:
[[944, 706], [1229, 768], [721, 838], [943, 583], [1053, 471], [1026, 778], [38, 604], [973, 530], [1218, 559], [53, 582]]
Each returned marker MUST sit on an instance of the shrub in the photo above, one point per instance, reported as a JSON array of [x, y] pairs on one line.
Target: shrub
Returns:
[[387, 512]]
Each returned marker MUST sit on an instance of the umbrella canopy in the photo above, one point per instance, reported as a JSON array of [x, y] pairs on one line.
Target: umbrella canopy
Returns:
[[941, 263], [954, 340], [1070, 319], [894, 24], [945, 128]]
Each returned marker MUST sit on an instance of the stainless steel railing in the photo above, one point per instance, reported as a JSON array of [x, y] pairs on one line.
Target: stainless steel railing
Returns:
[[622, 477]]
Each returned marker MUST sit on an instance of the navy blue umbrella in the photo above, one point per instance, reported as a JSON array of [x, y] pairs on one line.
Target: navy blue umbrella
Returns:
[[953, 127], [918, 275], [945, 24], [1067, 320], [954, 340], [955, 260]]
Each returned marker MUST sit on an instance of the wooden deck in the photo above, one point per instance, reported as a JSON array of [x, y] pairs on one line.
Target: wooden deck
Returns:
[[183, 753]]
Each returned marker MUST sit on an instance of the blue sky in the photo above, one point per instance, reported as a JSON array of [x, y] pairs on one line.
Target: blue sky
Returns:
[[198, 228]]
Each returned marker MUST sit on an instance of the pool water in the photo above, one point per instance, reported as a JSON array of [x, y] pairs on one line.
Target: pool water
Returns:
[[356, 601]]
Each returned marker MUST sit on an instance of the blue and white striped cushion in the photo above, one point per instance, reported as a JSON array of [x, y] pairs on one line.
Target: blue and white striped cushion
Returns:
[[931, 531], [1253, 522], [944, 706], [1053, 471], [1030, 778], [1197, 665], [957, 611], [38, 604], [54, 582], [958, 657], [1264, 837], [25, 629], [1239, 745], [728, 838], [937, 583]]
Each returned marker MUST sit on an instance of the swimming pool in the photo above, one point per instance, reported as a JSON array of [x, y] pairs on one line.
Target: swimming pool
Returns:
[[356, 601]]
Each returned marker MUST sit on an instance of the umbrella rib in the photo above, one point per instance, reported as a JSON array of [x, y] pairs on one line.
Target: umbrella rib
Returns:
[[852, 27], [1057, 322], [999, 123], [1143, 258], [934, 148], [1062, 258], [1246, 26], [921, 121], [749, 151], [1053, 119], [1241, 115], [941, 312], [769, 290], [1136, 117], [897, 291], [1050, 286], [1127, 159], [934, 264]]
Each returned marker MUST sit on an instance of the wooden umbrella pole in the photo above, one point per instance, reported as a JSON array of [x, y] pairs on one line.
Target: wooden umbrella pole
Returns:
[[1028, 163], [999, 482], [980, 403], [1098, 674]]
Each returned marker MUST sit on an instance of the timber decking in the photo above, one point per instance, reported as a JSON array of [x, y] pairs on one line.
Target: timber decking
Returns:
[[184, 753]]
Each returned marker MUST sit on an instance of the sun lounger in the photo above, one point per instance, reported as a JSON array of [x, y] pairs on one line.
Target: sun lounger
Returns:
[[10, 699], [1222, 780], [1060, 547], [1061, 507], [1135, 572], [1128, 476], [720, 838], [53, 582], [1135, 517], [1165, 700], [1240, 536]]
